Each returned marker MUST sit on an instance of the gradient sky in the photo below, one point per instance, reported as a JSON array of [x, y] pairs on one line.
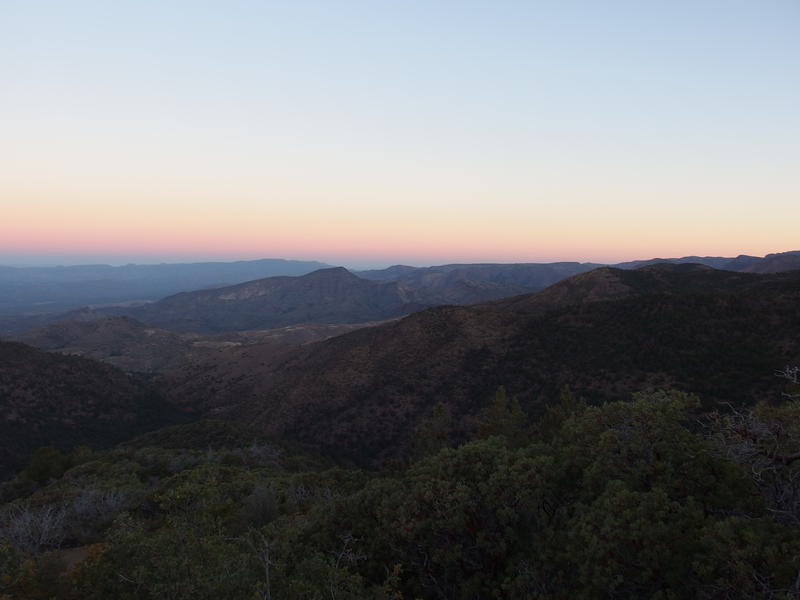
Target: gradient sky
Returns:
[[381, 132]]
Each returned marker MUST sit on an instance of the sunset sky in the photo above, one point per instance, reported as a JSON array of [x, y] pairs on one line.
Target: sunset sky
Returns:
[[378, 132]]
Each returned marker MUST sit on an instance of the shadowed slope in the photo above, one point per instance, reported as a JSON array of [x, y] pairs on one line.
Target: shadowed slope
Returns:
[[49, 399]]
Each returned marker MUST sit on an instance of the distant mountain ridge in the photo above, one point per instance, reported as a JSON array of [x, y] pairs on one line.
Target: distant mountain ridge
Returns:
[[207, 272], [471, 283], [52, 289], [343, 297], [737, 263], [326, 296], [541, 275], [776, 263]]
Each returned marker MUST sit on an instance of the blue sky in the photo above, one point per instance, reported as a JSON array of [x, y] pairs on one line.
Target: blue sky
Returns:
[[388, 132]]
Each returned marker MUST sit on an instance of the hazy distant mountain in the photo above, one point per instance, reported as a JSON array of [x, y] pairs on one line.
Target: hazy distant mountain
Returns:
[[738, 263], [283, 301], [776, 263], [326, 296], [50, 289], [470, 283], [50, 399], [771, 263], [134, 346], [607, 333]]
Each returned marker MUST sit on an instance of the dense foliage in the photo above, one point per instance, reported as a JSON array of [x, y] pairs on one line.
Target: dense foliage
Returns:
[[640, 499]]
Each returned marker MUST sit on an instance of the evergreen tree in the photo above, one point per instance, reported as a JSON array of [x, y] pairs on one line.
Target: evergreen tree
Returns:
[[505, 417], [555, 415]]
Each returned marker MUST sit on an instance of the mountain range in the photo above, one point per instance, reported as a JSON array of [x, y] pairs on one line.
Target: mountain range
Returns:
[[335, 295]]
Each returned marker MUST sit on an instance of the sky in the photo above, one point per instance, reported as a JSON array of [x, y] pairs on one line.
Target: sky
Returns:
[[374, 133]]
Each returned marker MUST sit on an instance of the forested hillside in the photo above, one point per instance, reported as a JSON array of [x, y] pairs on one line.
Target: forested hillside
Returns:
[[607, 333], [643, 498]]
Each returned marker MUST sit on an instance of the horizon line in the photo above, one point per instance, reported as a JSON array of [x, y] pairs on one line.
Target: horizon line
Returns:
[[30, 262]]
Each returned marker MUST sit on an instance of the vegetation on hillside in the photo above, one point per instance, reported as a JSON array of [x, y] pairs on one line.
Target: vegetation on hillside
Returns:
[[645, 498], [67, 401]]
